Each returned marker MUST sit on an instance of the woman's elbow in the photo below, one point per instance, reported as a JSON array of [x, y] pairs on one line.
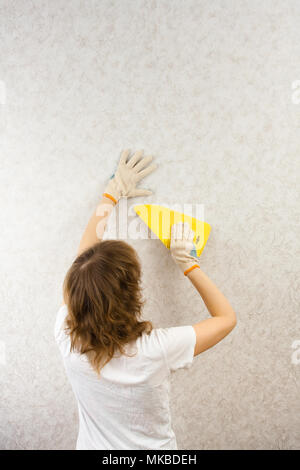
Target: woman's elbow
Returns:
[[232, 321]]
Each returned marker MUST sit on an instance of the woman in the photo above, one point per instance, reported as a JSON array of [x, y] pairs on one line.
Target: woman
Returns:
[[117, 364]]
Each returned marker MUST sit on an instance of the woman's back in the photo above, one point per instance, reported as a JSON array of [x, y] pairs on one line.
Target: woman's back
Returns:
[[127, 407]]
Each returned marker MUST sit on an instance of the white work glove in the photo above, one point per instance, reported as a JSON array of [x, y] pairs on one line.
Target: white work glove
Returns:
[[128, 174], [181, 245]]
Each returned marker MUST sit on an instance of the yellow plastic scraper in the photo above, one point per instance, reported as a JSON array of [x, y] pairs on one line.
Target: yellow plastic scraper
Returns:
[[160, 220]]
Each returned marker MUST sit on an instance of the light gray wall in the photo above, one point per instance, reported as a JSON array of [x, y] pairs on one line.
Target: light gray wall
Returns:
[[206, 87]]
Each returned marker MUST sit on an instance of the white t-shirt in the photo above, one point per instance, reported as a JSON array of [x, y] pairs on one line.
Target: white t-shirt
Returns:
[[127, 407]]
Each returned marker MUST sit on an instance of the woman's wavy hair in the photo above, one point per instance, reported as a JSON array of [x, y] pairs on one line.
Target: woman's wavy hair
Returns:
[[103, 294]]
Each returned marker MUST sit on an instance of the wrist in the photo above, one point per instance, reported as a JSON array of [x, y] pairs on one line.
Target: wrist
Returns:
[[187, 266]]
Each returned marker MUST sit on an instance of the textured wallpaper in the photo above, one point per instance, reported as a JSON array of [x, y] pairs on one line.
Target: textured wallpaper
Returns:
[[212, 90]]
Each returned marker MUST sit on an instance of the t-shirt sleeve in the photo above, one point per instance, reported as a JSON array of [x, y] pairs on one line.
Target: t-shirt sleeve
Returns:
[[177, 344], [60, 335]]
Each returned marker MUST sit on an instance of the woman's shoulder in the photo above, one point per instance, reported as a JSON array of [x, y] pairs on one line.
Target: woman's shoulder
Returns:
[[172, 345], [150, 343], [60, 320]]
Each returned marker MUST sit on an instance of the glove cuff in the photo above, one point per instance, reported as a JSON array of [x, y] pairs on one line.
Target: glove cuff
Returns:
[[112, 191], [188, 270], [109, 196]]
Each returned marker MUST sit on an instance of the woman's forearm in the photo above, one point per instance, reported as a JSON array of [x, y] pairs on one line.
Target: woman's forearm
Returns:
[[215, 301], [96, 226]]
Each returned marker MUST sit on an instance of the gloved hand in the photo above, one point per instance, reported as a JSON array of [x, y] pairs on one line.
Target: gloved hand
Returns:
[[128, 174], [181, 245]]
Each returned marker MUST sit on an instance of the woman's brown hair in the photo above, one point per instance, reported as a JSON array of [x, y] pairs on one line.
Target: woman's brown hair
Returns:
[[103, 295]]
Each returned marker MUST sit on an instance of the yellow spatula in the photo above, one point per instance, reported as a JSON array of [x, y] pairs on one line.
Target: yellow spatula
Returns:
[[160, 220]]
